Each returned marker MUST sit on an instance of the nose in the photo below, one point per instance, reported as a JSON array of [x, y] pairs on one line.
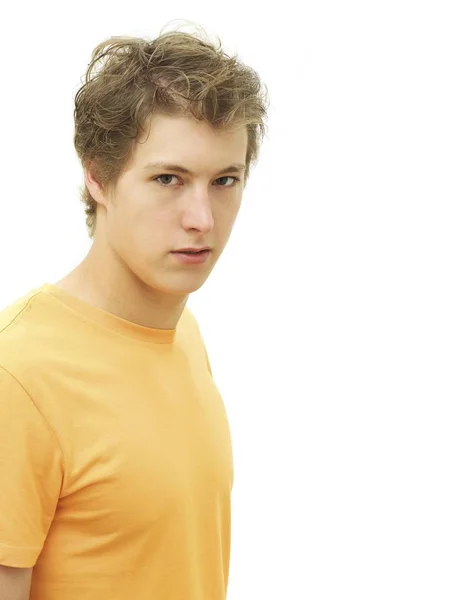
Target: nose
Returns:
[[197, 213]]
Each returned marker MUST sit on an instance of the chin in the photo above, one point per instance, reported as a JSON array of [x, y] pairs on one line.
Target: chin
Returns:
[[182, 288]]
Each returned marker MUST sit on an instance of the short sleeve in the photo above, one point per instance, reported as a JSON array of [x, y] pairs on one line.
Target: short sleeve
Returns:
[[207, 360], [200, 336], [31, 475]]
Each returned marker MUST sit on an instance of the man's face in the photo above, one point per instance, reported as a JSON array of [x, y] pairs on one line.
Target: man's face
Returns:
[[156, 210]]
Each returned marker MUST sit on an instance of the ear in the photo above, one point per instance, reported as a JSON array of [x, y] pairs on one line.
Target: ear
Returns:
[[94, 187]]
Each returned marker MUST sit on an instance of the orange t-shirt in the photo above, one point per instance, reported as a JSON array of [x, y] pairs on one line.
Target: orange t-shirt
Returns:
[[116, 464]]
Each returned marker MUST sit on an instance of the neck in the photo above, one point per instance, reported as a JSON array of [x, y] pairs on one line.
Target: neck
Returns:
[[104, 280]]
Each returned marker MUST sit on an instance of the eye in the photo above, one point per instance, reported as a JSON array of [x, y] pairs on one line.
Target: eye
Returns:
[[235, 180], [165, 175]]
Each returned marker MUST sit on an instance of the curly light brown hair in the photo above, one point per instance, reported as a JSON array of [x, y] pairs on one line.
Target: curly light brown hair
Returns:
[[129, 79]]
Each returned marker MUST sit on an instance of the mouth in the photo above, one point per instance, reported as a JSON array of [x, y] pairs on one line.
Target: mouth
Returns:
[[192, 250], [192, 257]]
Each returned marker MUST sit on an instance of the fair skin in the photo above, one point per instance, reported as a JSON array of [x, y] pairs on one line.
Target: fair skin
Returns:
[[15, 583], [129, 270]]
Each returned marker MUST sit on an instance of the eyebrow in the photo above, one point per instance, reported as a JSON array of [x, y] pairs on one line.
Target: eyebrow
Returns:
[[236, 168]]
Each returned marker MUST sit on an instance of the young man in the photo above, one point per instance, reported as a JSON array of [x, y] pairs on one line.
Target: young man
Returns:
[[116, 464]]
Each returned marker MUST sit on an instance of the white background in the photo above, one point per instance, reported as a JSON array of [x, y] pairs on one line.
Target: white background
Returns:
[[327, 317]]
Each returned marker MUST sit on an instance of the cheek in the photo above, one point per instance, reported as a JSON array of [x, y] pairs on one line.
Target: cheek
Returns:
[[150, 241]]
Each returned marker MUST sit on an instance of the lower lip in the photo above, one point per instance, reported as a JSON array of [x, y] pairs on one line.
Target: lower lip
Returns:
[[192, 259]]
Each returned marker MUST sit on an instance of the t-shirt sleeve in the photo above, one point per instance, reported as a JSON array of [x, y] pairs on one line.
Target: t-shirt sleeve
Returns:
[[31, 475], [199, 334], [207, 360]]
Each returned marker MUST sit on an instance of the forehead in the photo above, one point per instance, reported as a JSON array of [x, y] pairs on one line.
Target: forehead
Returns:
[[185, 140]]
